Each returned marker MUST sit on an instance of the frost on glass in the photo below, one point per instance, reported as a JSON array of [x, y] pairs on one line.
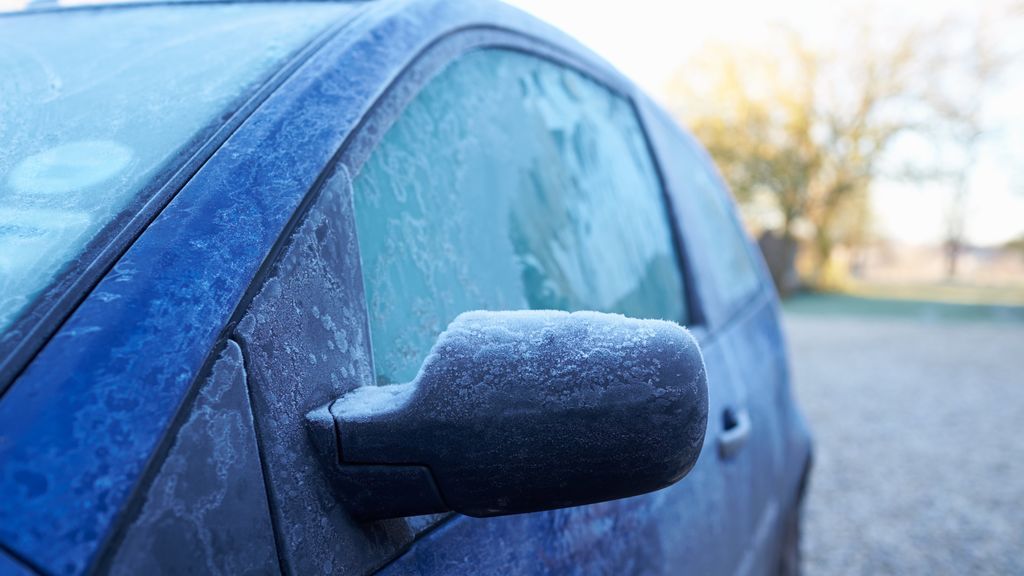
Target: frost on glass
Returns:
[[93, 103], [509, 182], [730, 263]]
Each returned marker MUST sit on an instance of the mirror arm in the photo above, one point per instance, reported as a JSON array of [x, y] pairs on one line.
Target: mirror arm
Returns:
[[373, 491]]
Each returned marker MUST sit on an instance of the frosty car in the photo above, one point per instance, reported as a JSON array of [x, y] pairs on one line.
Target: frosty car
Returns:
[[337, 288]]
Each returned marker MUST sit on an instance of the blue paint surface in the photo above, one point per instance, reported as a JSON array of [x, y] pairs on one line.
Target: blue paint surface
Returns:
[[208, 496], [11, 567]]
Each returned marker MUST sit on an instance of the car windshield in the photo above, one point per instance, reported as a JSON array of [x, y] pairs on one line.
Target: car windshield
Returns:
[[97, 104]]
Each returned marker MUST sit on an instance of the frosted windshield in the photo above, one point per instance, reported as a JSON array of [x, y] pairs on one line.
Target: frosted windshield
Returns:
[[95, 103]]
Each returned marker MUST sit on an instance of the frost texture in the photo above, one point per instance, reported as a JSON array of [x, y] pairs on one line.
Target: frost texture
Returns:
[[578, 356], [305, 335], [208, 498], [728, 273], [509, 183], [524, 410], [90, 115], [367, 401]]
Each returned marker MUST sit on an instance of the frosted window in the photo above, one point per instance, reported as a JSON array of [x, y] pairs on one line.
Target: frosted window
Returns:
[[509, 183], [94, 103], [729, 262]]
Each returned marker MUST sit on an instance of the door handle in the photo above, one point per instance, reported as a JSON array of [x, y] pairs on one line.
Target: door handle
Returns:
[[735, 432]]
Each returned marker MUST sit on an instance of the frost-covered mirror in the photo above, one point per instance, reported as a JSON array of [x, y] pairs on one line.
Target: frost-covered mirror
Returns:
[[521, 411]]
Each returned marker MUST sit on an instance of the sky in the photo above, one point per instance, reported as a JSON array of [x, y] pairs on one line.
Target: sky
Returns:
[[649, 40]]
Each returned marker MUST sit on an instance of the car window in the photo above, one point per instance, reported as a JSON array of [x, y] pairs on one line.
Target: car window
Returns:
[[90, 116], [509, 182], [719, 232]]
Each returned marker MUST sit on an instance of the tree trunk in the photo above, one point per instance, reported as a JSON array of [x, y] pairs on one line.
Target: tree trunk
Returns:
[[823, 246], [955, 223], [953, 248], [779, 252]]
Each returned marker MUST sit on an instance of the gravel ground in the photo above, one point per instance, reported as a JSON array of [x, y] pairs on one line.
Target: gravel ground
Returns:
[[919, 445]]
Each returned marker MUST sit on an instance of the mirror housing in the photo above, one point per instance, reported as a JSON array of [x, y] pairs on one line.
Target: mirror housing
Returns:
[[522, 411]]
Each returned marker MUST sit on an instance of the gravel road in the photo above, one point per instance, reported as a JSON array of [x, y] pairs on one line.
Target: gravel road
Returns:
[[919, 430]]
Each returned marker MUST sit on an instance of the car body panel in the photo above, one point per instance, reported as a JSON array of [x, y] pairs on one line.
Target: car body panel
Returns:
[[304, 350], [84, 429], [749, 330], [11, 567], [208, 496]]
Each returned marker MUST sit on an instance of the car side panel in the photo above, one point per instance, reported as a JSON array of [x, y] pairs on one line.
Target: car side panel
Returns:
[[769, 467], [760, 347], [208, 497], [752, 356], [11, 567], [306, 341]]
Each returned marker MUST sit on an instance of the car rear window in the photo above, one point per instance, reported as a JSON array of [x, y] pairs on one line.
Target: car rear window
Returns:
[[96, 103]]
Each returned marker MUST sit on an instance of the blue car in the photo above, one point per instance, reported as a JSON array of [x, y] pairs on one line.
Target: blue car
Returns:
[[396, 287]]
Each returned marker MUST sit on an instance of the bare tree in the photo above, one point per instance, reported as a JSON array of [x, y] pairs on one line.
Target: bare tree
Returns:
[[755, 115], [958, 94], [804, 127], [857, 134]]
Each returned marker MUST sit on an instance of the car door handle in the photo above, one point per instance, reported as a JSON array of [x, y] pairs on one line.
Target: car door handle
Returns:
[[735, 432]]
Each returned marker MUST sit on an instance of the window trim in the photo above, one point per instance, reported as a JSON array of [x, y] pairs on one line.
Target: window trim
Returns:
[[729, 312], [448, 48], [728, 202]]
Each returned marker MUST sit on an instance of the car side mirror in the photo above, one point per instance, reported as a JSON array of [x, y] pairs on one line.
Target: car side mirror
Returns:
[[522, 411]]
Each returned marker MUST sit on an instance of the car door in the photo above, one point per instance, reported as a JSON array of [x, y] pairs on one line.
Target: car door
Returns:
[[559, 205], [508, 180], [742, 319]]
